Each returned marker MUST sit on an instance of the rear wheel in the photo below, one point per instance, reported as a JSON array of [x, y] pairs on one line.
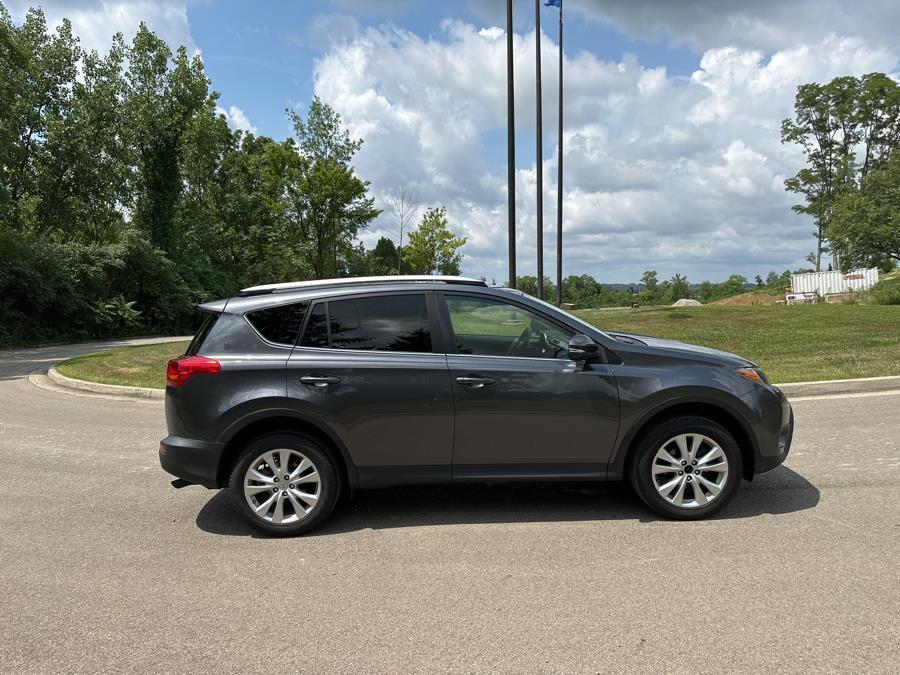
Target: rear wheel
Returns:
[[284, 484], [686, 468]]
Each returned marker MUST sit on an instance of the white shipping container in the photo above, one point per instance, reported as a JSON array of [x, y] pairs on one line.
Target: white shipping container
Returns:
[[824, 283]]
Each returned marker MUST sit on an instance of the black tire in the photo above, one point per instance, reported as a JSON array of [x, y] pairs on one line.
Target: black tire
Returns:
[[328, 486], [641, 461]]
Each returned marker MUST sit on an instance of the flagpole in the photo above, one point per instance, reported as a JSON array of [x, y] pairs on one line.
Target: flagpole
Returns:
[[511, 145], [539, 147], [559, 171]]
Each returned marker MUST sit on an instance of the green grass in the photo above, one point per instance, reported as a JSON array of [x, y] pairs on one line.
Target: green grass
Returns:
[[140, 366], [792, 344]]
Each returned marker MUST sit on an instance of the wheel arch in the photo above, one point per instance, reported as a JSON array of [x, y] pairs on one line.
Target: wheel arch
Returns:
[[714, 411], [243, 432]]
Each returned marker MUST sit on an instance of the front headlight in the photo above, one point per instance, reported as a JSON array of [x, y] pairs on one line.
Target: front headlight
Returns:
[[753, 374]]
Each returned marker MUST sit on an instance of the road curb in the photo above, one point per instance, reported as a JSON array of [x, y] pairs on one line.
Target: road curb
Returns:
[[108, 389], [862, 385]]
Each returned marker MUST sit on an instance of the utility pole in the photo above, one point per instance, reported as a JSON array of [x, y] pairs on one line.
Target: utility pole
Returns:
[[539, 142], [559, 172], [511, 144]]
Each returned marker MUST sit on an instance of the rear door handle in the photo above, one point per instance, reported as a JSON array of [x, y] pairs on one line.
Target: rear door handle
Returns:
[[319, 380], [475, 381]]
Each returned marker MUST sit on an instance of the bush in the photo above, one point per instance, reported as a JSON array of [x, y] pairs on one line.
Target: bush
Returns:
[[65, 291], [887, 291]]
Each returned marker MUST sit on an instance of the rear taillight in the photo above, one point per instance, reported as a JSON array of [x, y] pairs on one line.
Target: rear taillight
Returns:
[[181, 369]]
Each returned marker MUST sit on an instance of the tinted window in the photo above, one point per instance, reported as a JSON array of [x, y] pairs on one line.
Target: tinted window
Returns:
[[209, 320], [316, 333], [393, 323], [490, 327], [279, 324]]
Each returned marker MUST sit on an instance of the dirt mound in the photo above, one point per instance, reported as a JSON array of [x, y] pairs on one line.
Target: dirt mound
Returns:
[[687, 302]]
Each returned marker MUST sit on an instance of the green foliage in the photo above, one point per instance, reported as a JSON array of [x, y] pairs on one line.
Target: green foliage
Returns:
[[734, 285], [846, 128], [125, 198], [887, 291], [528, 284], [432, 248], [866, 225]]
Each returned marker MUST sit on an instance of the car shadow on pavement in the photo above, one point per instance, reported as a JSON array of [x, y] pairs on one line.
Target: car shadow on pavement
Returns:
[[779, 491]]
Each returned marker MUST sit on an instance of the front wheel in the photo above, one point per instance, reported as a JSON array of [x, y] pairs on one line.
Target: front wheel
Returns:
[[686, 468], [284, 484]]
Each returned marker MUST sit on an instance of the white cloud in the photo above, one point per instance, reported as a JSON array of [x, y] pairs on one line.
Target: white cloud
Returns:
[[237, 119], [96, 22], [669, 173]]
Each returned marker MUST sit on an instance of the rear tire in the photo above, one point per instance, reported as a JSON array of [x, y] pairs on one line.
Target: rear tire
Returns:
[[284, 484], [686, 468]]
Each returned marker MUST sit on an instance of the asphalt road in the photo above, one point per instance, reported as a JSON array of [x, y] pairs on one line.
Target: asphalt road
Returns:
[[105, 567]]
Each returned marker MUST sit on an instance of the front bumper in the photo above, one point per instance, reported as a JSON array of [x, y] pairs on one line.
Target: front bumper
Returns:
[[775, 456], [191, 460]]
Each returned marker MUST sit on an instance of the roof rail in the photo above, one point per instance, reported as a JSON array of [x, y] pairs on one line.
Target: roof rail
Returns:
[[357, 281]]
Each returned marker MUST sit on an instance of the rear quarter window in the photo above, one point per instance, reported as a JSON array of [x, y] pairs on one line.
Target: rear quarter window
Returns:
[[279, 325], [209, 320]]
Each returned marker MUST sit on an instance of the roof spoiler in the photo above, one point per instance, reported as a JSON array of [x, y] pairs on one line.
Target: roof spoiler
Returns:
[[214, 307]]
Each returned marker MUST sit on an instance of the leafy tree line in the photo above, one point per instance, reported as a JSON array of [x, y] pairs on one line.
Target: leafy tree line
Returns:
[[125, 198], [585, 291], [849, 131]]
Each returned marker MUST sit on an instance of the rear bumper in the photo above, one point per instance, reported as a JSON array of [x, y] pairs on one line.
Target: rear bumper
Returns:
[[191, 460]]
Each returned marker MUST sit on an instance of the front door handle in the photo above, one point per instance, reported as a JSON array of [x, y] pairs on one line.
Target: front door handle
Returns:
[[319, 380], [475, 381]]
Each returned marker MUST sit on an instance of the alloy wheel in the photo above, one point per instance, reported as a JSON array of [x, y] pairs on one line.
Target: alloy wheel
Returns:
[[282, 486], [690, 470]]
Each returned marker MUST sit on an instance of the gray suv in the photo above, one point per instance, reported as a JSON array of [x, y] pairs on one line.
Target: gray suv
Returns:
[[293, 394]]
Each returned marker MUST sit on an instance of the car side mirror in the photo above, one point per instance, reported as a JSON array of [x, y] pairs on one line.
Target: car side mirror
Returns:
[[582, 348]]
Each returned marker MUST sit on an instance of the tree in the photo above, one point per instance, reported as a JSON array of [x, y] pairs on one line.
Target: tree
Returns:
[[866, 226], [678, 288], [432, 247], [831, 123], [403, 205], [383, 258], [329, 205], [528, 284], [649, 280], [582, 290]]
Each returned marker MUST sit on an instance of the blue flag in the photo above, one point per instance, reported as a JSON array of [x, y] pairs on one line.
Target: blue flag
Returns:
[[553, 3]]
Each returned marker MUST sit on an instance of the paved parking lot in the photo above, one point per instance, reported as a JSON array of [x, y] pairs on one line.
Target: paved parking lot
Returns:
[[104, 566]]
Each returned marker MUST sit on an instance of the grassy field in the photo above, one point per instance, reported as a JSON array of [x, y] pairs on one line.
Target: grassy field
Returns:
[[792, 344], [141, 366]]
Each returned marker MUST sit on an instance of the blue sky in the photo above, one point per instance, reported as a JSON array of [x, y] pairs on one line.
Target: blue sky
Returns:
[[673, 110]]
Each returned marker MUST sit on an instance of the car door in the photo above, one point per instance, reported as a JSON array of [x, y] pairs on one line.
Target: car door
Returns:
[[371, 368], [522, 407]]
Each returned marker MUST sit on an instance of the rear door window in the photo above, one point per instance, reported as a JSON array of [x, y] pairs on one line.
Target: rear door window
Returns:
[[392, 323], [279, 325]]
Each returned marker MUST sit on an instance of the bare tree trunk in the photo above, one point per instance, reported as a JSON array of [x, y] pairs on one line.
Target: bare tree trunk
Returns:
[[403, 205]]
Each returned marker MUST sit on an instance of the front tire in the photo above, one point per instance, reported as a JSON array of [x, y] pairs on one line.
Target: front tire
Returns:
[[686, 468], [284, 484]]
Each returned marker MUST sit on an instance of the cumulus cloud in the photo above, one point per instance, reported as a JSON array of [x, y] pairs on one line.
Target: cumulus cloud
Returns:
[[237, 119], [669, 173], [96, 22]]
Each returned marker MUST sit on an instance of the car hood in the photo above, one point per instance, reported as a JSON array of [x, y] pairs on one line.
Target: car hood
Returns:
[[662, 343]]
